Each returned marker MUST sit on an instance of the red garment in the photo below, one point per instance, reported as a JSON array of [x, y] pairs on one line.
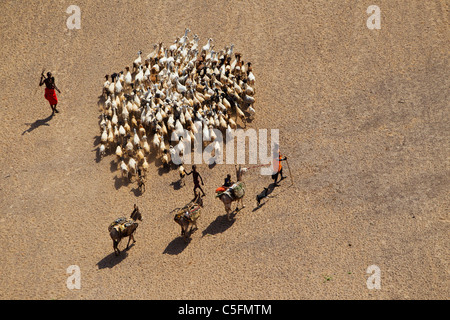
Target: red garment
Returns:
[[221, 189], [277, 163], [50, 95]]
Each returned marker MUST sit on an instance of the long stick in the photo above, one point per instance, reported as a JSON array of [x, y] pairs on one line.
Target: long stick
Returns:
[[290, 174], [35, 91]]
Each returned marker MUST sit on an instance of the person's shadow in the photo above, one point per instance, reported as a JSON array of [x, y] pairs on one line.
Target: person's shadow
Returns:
[[38, 123]]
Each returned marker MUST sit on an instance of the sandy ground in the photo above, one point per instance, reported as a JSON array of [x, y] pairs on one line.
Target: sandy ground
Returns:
[[363, 117]]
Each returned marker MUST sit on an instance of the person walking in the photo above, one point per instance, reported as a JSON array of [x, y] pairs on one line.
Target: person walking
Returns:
[[196, 176], [50, 93], [277, 166]]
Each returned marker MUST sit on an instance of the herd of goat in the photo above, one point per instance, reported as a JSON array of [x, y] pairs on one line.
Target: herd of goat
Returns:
[[159, 103]]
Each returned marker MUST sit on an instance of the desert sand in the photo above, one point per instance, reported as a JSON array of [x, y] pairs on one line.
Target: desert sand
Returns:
[[363, 118]]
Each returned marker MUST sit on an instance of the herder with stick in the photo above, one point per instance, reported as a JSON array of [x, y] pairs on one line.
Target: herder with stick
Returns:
[[277, 166], [50, 93]]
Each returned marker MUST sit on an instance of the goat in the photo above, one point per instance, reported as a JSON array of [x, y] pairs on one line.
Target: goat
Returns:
[[182, 173], [261, 196], [137, 63], [184, 87], [102, 150], [141, 182]]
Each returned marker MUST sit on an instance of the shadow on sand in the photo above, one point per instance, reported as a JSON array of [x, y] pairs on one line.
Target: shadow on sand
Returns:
[[120, 182], [137, 191], [264, 194], [177, 185], [221, 224], [162, 169], [111, 260], [38, 123], [176, 246]]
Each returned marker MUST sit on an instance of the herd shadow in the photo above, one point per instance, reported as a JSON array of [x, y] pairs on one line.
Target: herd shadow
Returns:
[[162, 169], [101, 101], [98, 156], [113, 166], [120, 182]]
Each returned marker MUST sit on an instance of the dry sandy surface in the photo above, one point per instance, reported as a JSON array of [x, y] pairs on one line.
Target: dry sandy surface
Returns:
[[363, 117]]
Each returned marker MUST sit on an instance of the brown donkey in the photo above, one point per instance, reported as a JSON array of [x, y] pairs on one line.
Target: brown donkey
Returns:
[[123, 227]]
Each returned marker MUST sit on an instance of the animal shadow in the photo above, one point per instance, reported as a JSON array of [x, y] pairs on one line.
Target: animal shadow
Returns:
[[111, 260], [221, 224], [38, 123], [101, 101], [176, 246], [120, 182], [113, 166], [137, 191], [162, 169], [97, 140], [177, 184], [98, 156]]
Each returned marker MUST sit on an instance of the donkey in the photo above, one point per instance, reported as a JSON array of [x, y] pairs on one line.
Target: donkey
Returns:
[[227, 199], [193, 208], [123, 227]]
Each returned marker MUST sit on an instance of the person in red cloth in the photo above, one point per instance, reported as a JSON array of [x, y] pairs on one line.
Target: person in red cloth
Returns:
[[277, 166], [50, 93]]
